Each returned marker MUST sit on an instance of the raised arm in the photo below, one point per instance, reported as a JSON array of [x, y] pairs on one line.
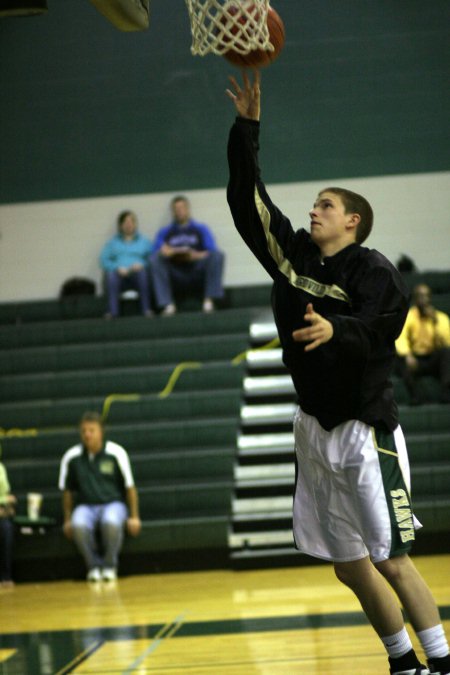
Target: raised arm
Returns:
[[263, 227]]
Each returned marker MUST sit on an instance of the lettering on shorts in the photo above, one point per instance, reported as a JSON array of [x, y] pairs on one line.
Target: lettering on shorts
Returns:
[[403, 515]]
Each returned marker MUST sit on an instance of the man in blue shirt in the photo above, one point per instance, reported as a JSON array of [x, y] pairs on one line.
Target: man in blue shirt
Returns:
[[186, 257], [125, 259]]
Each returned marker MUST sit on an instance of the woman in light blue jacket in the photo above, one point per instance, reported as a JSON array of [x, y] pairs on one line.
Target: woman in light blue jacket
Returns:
[[125, 259]]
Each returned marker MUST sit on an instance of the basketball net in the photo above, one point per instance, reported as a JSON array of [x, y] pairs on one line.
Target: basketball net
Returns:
[[218, 26]]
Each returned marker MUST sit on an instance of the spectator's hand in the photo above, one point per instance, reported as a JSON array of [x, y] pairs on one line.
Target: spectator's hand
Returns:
[[198, 255], [123, 271], [11, 500], [247, 100], [136, 267], [134, 526], [168, 251], [320, 331], [411, 362], [181, 254], [67, 529]]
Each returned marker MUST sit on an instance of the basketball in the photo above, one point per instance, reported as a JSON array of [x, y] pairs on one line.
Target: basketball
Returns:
[[258, 58]]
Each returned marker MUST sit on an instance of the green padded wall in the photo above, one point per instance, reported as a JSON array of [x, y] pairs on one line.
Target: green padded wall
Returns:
[[360, 89]]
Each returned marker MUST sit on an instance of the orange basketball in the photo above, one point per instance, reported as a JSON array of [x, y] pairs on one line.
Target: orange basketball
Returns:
[[258, 57]]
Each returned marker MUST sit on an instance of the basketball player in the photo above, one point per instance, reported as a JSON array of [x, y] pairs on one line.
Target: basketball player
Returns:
[[339, 307]]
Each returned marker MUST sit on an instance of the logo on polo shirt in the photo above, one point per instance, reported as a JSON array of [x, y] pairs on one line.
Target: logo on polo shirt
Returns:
[[107, 467]]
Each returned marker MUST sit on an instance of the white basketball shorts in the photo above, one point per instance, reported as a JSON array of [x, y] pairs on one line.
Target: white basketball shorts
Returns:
[[352, 494]]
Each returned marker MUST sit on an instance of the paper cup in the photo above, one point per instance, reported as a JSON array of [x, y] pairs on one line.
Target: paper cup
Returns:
[[34, 502]]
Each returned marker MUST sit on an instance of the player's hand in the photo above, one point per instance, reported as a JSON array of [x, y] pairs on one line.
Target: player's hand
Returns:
[[123, 271], [246, 99], [319, 332], [134, 526]]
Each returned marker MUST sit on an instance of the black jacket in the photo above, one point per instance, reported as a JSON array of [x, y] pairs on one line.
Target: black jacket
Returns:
[[357, 290]]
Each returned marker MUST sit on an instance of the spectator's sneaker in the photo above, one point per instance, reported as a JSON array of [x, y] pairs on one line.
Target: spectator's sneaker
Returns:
[[169, 310], [208, 305], [110, 574], [94, 574]]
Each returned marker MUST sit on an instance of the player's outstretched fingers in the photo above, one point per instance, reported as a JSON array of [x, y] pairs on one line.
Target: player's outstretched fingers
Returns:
[[235, 83], [246, 99]]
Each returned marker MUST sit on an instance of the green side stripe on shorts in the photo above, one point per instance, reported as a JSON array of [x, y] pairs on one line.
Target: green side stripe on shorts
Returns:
[[397, 495]]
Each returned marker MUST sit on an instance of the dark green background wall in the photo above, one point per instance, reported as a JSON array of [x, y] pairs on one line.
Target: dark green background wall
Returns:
[[362, 88]]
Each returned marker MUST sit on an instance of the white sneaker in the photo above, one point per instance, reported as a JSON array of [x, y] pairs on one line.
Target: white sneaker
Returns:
[[109, 574], [169, 310], [208, 305], [94, 574]]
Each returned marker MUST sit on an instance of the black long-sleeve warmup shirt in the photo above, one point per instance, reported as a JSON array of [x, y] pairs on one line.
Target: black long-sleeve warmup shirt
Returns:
[[357, 290]]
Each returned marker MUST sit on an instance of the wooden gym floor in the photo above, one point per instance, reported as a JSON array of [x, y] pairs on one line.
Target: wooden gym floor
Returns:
[[287, 621]]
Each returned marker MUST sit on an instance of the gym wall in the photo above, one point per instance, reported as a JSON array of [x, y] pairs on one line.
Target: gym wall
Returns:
[[94, 121]]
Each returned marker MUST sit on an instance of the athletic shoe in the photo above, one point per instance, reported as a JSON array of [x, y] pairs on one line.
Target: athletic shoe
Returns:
[[439, 665], [94, 574], [208, 306], [109, 574], [421, 670], [169, 310]]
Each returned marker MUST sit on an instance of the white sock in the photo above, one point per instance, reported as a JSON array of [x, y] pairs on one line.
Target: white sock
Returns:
[[433, 641], [398, 644]]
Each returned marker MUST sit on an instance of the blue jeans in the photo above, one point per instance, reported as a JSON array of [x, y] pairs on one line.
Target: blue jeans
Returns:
[[104, 522], [202, 275], [115, 284]]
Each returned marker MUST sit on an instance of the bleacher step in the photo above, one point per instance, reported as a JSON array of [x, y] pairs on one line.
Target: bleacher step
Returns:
[[256, 472], [262, 504], [255, 539]]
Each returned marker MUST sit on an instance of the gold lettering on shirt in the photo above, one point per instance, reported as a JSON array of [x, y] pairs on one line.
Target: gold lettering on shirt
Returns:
[[306, 284]]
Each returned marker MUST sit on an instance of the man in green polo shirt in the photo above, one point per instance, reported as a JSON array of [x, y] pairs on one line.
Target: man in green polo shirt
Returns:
[[99, 498]]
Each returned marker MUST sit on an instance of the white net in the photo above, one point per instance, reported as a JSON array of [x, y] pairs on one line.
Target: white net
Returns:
[[219, 26]]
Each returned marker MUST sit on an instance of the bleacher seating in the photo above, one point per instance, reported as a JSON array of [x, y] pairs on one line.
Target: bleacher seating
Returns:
[[182, 447]]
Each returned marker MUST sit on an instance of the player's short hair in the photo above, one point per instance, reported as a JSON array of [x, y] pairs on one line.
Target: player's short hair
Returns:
[[91, 416], [355, 203]]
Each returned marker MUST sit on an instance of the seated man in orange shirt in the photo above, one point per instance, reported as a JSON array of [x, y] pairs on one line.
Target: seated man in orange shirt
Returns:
[[423, 346]]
